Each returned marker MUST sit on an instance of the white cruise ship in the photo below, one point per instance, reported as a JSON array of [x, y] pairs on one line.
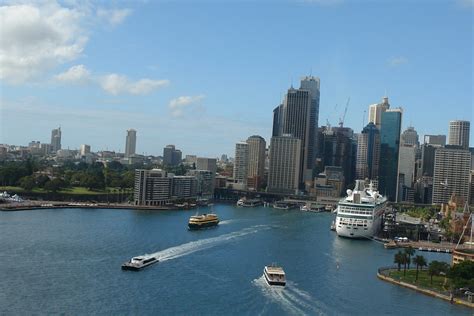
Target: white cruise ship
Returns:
[[359, 215]]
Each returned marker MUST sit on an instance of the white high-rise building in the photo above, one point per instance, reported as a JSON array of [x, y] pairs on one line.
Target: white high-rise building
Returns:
[[130, 143], [283, 175], [84, 150], [376, 110], [241, 163], [459, 133]]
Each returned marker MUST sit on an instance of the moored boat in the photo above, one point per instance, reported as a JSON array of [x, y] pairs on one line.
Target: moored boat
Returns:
[[274, 275], [203, 221], [139, 262], [313, 207], [244, 202]]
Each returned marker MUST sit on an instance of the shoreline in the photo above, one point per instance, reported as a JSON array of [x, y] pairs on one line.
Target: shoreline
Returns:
[[432, 293], [62, 205]]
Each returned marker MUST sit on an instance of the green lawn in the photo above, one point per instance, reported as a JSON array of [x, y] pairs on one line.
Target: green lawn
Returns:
[[73, 190], [423, 279]]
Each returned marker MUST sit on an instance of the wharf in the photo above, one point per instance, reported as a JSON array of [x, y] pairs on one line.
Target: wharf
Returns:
[[444, 247]]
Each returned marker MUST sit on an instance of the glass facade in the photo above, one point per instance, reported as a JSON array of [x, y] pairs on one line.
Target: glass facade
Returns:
[[389, 151]]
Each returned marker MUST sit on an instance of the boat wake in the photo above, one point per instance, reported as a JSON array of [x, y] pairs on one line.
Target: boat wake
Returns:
[[226, 222], [290, 298], [198, 245]]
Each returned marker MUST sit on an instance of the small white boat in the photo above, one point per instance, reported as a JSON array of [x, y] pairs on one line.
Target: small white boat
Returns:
[[140, 262], [274, 275]]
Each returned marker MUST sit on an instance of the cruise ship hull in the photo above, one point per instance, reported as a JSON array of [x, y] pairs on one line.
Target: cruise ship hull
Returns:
[[354, 231], [195, 226]]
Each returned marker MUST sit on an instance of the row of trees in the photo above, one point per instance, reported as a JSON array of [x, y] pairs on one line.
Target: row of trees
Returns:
[[92, 176], [461, 275]]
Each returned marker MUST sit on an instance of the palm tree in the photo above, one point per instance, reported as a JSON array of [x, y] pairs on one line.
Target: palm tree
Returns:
[[409, 252], [420, 261], [399, 259], [434, 268]]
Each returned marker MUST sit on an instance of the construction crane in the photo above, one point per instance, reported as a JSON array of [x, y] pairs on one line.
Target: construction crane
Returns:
[[341, 119]]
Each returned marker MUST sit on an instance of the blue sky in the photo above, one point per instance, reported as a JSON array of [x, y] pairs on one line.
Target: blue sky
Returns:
[[204, 75]]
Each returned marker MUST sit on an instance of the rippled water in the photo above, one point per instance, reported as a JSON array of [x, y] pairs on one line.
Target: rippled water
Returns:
[[68, 261]]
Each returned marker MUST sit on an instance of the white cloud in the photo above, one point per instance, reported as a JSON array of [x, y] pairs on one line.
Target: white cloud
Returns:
[[113, 16], [34, 39], [466, 3], [397, 61], [75, 74], [118, 84], [39, 36], [179, 105]]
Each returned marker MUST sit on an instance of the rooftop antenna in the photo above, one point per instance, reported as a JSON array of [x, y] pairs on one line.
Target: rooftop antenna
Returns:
[[363, 119]]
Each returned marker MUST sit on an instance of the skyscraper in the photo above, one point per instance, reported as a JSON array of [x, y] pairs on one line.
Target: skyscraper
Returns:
[[284, 166], [298, 116], [336, 150], [451, 174], [459, 133], [256, 161], [241, 164], [56, 139], [130, 143], [410, 137], [389, 150], [407, 164], [368, 153], [171, 155], [376, 110], [85, 149]]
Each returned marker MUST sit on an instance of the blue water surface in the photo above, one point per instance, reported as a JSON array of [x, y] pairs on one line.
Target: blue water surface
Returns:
[[67, 261]]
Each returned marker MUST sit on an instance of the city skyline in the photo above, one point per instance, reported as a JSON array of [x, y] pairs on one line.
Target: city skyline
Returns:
[[168, 102]]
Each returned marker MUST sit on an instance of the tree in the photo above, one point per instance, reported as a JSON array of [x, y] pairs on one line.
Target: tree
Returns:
[[436, 268], [399, 259], [54, 185], [409, 252], [462, 274], [27, 183], [420, 261]]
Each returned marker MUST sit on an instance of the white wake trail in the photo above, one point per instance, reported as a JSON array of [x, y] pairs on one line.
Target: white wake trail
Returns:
[[198, 245], [290, 298]]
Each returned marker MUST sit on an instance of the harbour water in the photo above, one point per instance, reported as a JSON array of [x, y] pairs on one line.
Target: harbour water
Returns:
[[68, 261]]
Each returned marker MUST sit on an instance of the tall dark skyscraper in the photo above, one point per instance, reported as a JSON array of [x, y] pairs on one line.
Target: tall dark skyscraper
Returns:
[[389, 151], [298, 117], [336, 150], [56, 139], [368, 153]]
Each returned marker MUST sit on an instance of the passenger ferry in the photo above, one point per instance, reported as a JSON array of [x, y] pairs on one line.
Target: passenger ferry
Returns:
[[203, 221], [313, 207], [274, 275], [140, 262], [281, 205], [244, 202], [359, 215]]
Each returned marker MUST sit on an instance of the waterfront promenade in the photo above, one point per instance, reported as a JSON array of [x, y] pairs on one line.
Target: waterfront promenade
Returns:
[[384, 274]]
